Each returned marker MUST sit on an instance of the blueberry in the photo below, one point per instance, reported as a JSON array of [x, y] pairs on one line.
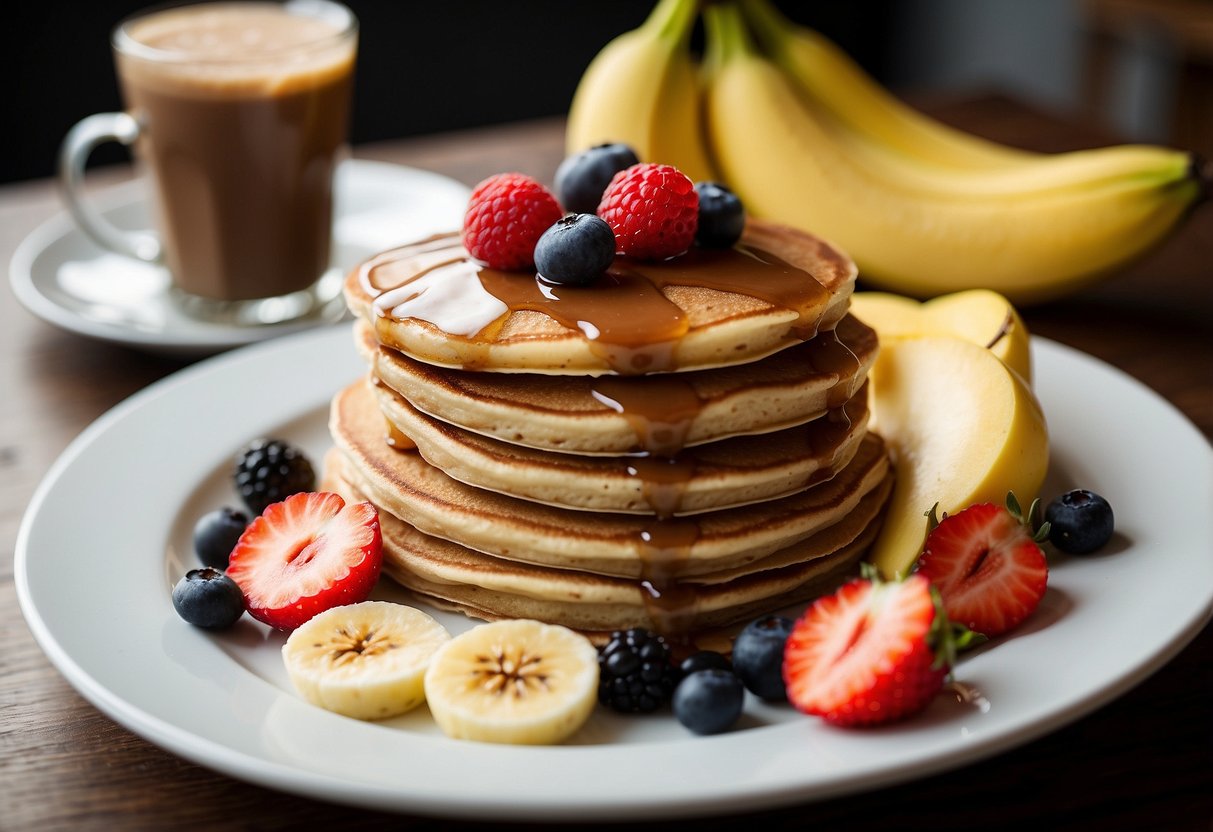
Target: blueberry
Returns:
[[1080, 521], [704, 660], [216, 533], [709, 701], [758, 656], [721, 216], [575, 250], [582, 177], [208, 598]]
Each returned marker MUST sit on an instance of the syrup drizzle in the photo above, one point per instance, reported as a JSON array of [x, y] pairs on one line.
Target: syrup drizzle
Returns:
[[631, 325]]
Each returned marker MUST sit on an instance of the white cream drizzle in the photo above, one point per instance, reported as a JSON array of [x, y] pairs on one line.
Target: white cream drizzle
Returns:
[[448, 295], [432, 281]]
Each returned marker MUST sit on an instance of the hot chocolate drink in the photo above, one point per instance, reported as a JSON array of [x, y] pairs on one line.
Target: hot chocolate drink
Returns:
[[243, 109]]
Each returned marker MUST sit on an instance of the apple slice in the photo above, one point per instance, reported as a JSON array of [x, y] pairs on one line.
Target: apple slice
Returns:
[[979, 315], [961, 428]]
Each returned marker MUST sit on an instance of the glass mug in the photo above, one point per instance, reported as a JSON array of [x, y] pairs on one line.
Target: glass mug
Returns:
[[239, 112]]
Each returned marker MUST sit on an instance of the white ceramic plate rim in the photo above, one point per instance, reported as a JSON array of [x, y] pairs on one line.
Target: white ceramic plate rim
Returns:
[[32, 267], [109, 504]]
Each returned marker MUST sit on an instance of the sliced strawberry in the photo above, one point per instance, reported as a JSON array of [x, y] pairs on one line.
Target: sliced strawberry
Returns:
[[987, 567], [870, 653], [306, 554]]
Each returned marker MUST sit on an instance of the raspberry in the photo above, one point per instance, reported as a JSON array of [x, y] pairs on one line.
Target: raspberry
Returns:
[[506, 215], [653, 210]]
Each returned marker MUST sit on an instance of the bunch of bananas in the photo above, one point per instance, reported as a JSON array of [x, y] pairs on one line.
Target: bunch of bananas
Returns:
[[789, 122]]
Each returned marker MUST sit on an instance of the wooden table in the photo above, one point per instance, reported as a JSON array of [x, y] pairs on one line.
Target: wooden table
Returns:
[[1142, 762]]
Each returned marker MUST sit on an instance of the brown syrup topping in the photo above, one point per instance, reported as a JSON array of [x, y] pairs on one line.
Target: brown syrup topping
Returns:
[[624, 315], [632, 326]]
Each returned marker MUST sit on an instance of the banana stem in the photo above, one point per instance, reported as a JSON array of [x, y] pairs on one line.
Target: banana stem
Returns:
[[672, 19], [769, 24], [727, 37]]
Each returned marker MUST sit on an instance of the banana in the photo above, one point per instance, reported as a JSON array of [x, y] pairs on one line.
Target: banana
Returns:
[[643, 89], [825, 73], [926, 234], [365, 660], [516, 681]]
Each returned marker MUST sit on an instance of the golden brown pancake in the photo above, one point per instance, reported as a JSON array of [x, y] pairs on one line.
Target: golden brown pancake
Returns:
[[620, 415], [451, 576], [708, 308], [732, 472], [405, 485]]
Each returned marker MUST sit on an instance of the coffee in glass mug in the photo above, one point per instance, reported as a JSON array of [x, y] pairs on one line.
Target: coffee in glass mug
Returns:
[[239, 111]]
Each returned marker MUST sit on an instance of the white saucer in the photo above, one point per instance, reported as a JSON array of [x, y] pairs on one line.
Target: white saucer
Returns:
[[63, 277]]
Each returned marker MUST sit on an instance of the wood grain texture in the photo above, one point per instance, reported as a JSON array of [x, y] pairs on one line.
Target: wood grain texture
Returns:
[[1144, 761]]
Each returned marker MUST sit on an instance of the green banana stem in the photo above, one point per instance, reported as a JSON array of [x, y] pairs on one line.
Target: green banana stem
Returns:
[[727, 37], [672, 20], [772, 27]]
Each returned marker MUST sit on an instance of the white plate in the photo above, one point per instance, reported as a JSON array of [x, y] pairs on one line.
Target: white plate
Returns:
[[63, 277], [107, 534]]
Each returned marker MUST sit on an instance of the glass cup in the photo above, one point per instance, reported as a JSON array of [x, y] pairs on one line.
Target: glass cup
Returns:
[[239, 111]]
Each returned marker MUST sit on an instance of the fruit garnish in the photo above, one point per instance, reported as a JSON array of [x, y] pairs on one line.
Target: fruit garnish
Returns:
[[506, 215], [364, 660], [704, 660], [980, 316], [208, 598], [870, 653], [307, 554], [637, 675], [1080, 521], [987, 565], [582, 177], [216, 534], [516, 681], [721, 216], [653, 210], [575, 251], [758, 656], [709, 701], [270, 470], [961, 428]]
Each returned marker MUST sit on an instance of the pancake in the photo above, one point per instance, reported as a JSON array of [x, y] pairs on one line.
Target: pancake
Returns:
[[450, 576], [610, 415], [405, 485], [732, 472], [707, 308]]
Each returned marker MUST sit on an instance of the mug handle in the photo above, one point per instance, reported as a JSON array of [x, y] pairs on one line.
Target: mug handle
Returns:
[[77, 146]]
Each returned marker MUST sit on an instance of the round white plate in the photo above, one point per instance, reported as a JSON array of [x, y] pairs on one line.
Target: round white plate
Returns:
[[121, 500], [63, 277]]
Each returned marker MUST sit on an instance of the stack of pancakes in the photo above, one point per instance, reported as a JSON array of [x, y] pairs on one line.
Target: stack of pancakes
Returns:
[[681, 446]]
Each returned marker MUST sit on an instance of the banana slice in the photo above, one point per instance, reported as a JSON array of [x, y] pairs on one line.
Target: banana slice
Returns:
[[364, 660], [518, 681]]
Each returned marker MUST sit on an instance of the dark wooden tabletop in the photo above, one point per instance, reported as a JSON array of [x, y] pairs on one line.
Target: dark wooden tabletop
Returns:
[[1145, 761]]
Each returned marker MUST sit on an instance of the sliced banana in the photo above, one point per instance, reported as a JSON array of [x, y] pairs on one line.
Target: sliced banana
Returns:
[[518, 681], [364, 660]]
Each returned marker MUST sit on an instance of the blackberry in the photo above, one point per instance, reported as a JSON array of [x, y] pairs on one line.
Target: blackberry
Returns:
[[636, 674], [270, 470]]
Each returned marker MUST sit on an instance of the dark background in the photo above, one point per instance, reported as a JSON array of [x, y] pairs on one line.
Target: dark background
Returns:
[[422, 67]]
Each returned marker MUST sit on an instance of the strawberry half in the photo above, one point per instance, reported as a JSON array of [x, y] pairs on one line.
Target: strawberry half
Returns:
[[306, 554], [870, 653], [987, 567]]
